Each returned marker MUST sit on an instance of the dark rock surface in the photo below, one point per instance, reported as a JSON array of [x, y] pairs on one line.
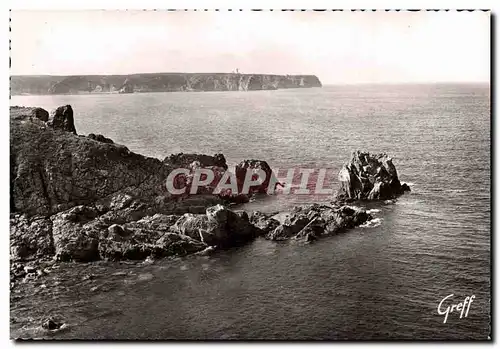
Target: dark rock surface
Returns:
[[312, 221], [217, 165], [51, 324], [52, 171], [369, 177], [218, 227], [41, 114], [265, 223], [30, 237], [100, 138], [185, 160], [62, 119], [249, 168]]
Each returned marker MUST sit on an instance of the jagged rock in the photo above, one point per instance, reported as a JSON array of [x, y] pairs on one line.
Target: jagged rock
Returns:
[[133, 211], [253, 166], [158, 221], [150, 236], [142, 243], [312, 230], [30, 237], [100, 138], [312, 221], [53, 171], [369, 177], [62, 119], [193, 226], [174, 244], [51, 324], [116, 229], [241, 225], [264, 223], [41, 114], [235, 225], [120, 201], [38, 116], [292, 225], [218, 227], [75, 237], [185, 160], [218, 214], [194, 162], [282, 232]]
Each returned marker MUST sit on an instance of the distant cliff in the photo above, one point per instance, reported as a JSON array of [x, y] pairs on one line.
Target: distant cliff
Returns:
[[157, 82]]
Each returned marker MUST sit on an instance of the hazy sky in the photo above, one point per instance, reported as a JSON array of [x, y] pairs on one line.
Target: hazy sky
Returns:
[[339, 47]]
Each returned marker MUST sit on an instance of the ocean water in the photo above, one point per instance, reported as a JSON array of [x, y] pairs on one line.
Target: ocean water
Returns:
[[383, 280]]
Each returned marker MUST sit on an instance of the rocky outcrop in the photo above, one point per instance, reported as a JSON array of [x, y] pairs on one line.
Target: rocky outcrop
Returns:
[[150, 236], [100, 138], [195, 164], [77, 198], [85, 233], [89, 233], [185, 160], [41, 114], [30, 238], [369, 177], [52, 171], [218, 227], [62, 119], [249, 169], [157, 82], [264, 222], [86, 198], [75, 234], [313, 221], [218, 167]]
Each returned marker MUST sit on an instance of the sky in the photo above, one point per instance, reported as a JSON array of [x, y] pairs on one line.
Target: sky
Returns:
[[338, 47]]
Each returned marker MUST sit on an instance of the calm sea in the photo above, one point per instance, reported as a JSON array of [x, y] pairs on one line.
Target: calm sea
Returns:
[[379, 282]]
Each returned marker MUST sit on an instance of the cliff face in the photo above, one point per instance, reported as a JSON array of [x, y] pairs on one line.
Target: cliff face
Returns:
[[161, 82], [53, 169]]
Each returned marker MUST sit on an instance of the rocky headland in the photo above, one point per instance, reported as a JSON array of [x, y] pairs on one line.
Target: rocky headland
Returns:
[[156, 82], [85, 198]]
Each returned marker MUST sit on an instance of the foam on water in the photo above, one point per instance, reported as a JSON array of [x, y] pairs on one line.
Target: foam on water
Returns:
[[375, 222]]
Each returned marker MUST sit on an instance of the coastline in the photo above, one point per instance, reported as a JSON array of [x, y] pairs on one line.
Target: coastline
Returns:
[[57, 217], [159, 82]]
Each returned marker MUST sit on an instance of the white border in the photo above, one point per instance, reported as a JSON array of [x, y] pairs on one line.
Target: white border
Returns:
[[255, 4], [187, 4]]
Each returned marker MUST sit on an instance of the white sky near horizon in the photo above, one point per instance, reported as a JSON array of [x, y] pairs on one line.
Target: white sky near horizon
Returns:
[[338, 47]]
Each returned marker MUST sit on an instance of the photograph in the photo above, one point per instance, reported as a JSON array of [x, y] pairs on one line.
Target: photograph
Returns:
[[250, 175]]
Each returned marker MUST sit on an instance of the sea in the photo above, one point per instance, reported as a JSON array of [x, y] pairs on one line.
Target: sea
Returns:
[[391, 279]]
